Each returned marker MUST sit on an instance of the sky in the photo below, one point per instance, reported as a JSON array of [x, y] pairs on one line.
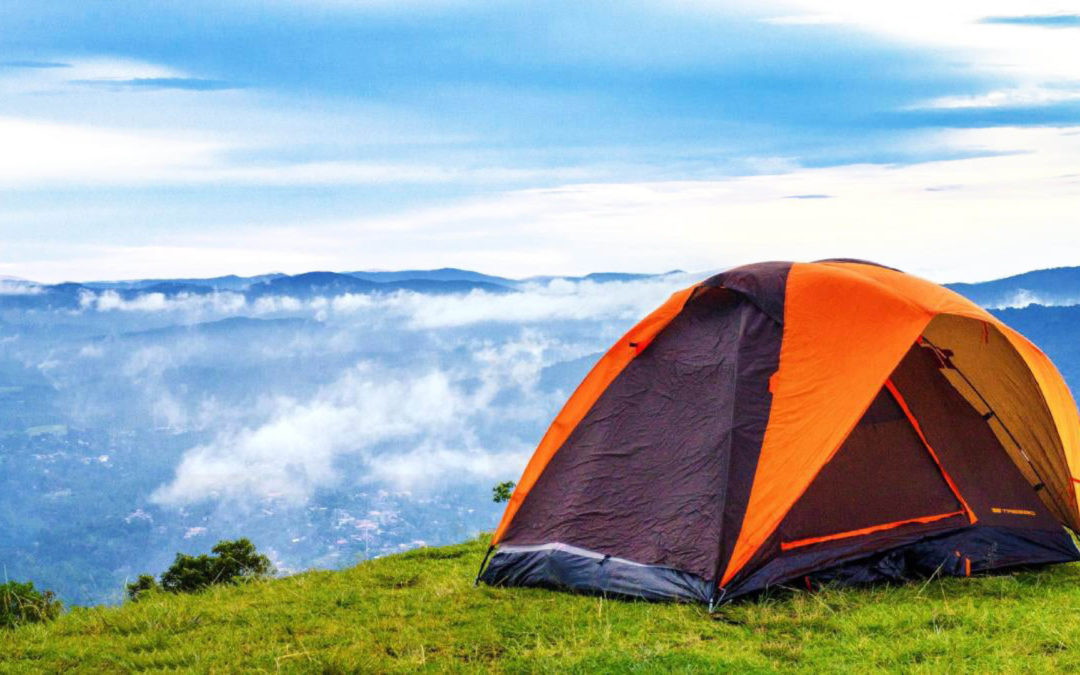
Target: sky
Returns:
[[197, 138]]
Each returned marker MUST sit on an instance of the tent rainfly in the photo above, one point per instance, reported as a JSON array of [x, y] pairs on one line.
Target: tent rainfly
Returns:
[[799, 423]]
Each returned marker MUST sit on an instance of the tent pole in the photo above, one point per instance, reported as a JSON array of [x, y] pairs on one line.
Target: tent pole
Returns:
[[482, 564], [990, 413]]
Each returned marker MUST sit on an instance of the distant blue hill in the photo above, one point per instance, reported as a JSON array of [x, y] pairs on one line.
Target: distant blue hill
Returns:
[[432, 287], [600, 277], [229, 282], [314, 284], [169, 288], [235, 326], [442, 274], [1056, 286]]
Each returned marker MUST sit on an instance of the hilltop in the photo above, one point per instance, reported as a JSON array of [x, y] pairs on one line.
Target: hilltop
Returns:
[[420, 610]]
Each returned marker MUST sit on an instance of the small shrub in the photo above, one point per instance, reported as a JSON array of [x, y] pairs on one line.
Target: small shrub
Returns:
[[146, 583], [238, 559], [22, 603], [502, 492], [232, 561]]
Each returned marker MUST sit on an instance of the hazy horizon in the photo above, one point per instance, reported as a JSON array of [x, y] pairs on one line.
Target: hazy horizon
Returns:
[[702, 274]]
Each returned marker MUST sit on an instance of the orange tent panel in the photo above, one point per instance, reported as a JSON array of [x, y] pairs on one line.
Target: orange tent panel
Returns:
[[846, 326]]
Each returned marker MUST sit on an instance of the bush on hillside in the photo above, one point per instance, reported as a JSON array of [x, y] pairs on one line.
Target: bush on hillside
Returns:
[[230, 562], [22, 603], [502, 492], [141, 586]]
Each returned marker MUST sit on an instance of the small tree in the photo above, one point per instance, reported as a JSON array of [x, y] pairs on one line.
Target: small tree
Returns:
[[22, 603], [141, 586], [230, 562], [502, 492], [189, 573], [239, 559]]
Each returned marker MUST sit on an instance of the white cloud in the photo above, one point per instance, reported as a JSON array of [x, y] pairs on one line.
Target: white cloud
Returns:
[[352, 302], [805, 20], [41, 151], [294, 453], [1026, 96], [412, 428], [1019, 178], [112, 70], [432, 464], [272, 304], [168, 412], [1024, 177], [558, 300], [150, 362], [1023, 297], [1030, 54], [193, 304], [16, 287], [179, 255], [71, 73], [370, 173], [91, 351], [44, 152], [49, 153], [553, 300]]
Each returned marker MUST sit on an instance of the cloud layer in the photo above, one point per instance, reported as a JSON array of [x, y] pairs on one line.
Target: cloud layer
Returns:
[[461, 398], [554, 300]]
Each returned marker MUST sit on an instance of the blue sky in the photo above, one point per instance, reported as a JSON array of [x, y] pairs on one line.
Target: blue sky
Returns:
[[201, 138]]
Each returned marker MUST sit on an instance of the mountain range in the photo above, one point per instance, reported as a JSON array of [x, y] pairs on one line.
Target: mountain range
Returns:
[[1055, 286], [25, 294], [1049, 287]]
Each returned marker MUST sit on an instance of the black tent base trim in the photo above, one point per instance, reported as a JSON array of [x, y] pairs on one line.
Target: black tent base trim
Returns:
[[972, 550], [564, 567]]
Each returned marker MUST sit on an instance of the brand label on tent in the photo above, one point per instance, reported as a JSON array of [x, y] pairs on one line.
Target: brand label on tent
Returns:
[[1013, 512]]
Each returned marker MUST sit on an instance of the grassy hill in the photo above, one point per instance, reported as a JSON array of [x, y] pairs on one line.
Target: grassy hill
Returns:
[[420, 610]]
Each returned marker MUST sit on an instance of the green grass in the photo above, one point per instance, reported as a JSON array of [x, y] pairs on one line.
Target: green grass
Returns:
[[419, 610]]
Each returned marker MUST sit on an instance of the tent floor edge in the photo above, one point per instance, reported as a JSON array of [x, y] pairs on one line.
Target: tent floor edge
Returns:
[[976, 549], [564, 567]]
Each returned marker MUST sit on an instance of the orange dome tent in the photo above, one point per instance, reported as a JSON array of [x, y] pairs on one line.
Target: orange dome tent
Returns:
[[830, 421]]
